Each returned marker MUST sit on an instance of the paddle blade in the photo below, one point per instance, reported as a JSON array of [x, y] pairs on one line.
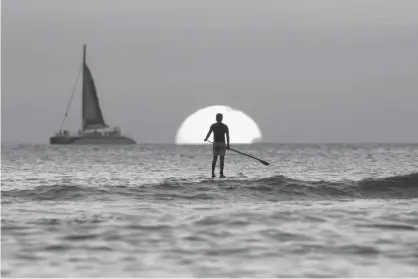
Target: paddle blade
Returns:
[[264, 162]]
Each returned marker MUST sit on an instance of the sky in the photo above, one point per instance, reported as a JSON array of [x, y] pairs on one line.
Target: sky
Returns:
[[304, 71]]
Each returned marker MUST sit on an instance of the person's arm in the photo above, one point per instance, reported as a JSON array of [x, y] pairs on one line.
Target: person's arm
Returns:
[[210, 131], [227, 137]]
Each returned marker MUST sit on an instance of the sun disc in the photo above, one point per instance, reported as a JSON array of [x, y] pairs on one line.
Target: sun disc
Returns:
[[242, 128]]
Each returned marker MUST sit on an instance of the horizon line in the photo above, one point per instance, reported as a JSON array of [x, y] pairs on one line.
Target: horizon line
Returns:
[[198, 144]]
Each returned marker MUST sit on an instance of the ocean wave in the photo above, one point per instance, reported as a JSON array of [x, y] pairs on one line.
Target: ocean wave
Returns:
[[276, 188]]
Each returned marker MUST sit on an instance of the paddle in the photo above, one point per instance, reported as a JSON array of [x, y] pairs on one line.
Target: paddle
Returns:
[[261, 161]]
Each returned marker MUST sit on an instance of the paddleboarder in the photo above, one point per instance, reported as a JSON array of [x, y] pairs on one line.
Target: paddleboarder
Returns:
[[219, 130]]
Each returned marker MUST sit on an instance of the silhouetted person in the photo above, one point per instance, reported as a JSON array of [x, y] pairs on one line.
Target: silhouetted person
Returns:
[[219, 130]]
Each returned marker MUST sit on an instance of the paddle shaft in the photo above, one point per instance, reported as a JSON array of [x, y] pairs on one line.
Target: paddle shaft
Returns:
[[242, 153]]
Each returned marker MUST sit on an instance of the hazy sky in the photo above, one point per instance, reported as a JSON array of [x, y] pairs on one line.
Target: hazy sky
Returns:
[[305, 71]]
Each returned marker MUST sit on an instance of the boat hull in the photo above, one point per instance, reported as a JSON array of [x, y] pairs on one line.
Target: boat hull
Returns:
[[91, 140]]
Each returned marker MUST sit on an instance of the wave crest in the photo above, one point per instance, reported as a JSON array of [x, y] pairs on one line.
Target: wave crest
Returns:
[[275, 187]]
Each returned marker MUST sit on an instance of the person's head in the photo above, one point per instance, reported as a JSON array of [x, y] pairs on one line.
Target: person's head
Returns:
[[219, 117]]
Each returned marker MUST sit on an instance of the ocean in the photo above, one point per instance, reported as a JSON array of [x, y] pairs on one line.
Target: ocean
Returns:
[[318, 210]]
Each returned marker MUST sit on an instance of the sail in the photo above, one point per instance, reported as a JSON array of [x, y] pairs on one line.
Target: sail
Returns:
[[92, 114]]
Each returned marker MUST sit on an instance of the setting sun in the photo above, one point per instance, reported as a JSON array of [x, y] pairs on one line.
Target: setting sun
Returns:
[[242, 128]]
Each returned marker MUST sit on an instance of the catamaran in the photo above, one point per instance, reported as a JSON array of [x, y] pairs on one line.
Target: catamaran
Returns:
[[94, 129]]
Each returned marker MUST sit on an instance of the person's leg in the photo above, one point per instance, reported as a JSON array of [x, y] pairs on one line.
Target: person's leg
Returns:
[[222, 165], [215, 158], [222, 156]]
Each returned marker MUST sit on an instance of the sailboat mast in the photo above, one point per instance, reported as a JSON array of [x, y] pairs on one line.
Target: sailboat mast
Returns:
[[82, 87], [84, 54]]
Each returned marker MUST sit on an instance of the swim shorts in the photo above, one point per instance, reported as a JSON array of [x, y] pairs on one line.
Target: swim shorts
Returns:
[[219, 148]]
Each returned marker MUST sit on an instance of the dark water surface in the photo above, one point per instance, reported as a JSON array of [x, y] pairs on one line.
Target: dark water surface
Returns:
[[152, 211]]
